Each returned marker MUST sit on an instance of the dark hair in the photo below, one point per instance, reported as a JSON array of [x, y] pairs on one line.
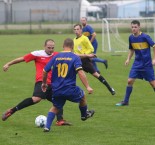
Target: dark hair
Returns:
[[84, 18], [48, 40], [78, 25], [68, 42], [135, 22]]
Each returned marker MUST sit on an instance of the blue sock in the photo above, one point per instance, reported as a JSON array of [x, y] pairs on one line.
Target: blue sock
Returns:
[[83, 110], [98, 60], [128, 92], [50, 118]]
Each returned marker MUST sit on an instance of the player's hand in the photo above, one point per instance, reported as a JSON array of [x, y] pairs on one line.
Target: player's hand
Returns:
[[92, 55], [153, 62], [44, 87], [5, 67], [127, 62], [90, 90]]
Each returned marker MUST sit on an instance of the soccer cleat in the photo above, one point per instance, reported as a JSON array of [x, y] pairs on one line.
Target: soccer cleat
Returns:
[[122, 103], [112, 91], [46, 130], [106, 64], [89, 114], [63, 122], [7, 114]]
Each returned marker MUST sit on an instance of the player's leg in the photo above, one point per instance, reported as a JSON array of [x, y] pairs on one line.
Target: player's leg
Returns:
[[105, 62], [58, 103], [50, 117], [60, 119], [85, 113], [79, 97], [25, 103], [94, 60], [95, 66], [104, 81], [127, 93], [37, 94], [149, 76], [152, 83], [132, 77], [88, 67]]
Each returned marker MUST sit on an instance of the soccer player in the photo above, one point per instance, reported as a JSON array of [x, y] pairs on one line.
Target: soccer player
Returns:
[[142, 68], [40, 57], [65, 66], [90, 33], [82, 46]]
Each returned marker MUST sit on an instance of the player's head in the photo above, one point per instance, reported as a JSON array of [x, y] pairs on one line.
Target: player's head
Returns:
[[68, 44], [135, 27], [49, 46], [84, 21], [78, 30]]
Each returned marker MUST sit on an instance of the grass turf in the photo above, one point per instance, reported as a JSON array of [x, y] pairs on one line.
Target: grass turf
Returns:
[[111, 125]]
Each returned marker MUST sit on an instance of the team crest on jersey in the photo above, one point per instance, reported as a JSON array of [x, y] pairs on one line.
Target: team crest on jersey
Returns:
[[79, 48]]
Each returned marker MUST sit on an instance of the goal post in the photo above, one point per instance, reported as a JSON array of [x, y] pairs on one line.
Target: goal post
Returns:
[[115, 32]]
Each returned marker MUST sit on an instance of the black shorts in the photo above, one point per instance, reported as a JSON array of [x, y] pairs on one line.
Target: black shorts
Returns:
[[88, 65], [43, 95]]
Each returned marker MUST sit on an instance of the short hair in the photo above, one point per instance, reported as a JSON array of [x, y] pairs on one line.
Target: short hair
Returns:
[[68, 42], [84, 18], [78, 25], [47, 40], [135, 22]]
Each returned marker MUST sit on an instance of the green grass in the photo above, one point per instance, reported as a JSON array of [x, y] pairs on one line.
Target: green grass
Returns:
[[111, 125]]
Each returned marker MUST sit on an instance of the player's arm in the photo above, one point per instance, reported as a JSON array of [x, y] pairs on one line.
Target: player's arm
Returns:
[[153, 61], [88, 46], [93, 37], [44, 85], [130, 54], [84, 80], [46, 69], [15, 61], [92, 55]]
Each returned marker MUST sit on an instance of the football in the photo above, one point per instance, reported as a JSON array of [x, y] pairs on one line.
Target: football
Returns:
[[40, 121]]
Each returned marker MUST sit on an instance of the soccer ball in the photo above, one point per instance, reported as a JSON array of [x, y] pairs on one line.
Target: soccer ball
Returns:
[[40, 121]]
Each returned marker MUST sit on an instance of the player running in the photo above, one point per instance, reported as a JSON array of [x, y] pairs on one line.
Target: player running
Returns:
[[82, 46]]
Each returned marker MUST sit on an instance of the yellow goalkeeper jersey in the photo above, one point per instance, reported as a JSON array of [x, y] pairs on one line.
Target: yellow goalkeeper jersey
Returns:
[[82, 45]]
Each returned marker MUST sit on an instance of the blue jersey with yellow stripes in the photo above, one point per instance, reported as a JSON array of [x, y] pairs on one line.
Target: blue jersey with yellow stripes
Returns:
[[141, 45], [88, 31], [64, 68]]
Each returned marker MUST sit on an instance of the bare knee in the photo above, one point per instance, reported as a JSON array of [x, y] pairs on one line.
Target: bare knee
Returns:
[[36, 99], [152, 83], [130, 81], [96, 74], [83, 102]]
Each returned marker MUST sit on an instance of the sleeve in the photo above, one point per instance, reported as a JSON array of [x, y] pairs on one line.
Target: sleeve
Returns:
[[89, 47], [130, 46], [91, 30], [78, 64], [49, 65], [150, 41], [29, 57]]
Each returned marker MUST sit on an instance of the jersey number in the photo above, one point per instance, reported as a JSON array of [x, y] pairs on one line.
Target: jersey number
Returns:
[[62, 70]]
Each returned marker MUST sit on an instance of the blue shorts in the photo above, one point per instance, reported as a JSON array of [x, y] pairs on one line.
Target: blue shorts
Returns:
[[75, 94], [147, 74]]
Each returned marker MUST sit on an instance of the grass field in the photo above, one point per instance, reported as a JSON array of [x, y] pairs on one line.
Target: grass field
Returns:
[[111, 125]]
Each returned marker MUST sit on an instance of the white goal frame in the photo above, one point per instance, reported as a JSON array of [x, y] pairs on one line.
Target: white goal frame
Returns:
[[107, 33]]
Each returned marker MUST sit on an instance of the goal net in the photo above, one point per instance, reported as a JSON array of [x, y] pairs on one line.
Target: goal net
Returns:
[[115, 32]]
